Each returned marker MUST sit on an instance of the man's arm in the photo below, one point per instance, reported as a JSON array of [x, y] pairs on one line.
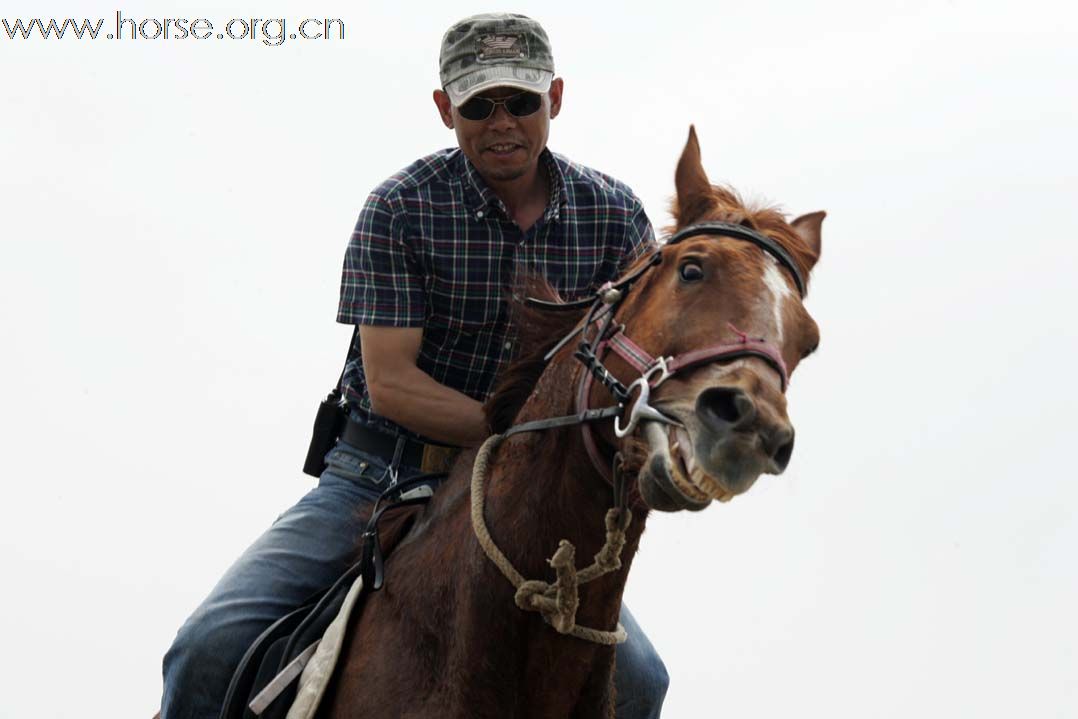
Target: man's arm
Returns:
[[382, 292], [405, 394]]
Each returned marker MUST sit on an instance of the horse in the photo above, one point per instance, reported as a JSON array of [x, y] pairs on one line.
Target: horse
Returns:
[[692, 350]]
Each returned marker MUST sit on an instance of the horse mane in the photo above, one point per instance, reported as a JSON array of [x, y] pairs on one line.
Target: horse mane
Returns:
[[538, 330], [725, 204]]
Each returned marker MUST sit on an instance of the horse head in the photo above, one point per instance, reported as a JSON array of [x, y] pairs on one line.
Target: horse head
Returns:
[[727, 415]]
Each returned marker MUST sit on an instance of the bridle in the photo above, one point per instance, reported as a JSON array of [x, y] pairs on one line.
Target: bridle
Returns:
[[557, 602], [610, 336]]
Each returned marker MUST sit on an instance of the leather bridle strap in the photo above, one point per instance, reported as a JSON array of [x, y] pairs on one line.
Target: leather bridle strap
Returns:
[[584, 417], [583, 400], [605, 292], [747, 348], [740, 232], [641, 361]]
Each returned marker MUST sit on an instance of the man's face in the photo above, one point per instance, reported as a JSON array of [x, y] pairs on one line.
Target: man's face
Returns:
[[502, 147]]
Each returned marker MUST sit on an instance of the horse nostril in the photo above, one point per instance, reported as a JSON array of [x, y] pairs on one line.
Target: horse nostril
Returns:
[[781, 446], [724, 407]]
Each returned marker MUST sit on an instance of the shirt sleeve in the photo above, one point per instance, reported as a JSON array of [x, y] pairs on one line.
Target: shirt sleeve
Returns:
[[381, 283], [639, 237]]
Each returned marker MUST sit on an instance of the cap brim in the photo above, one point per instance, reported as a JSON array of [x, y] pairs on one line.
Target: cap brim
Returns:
[[523, 78]]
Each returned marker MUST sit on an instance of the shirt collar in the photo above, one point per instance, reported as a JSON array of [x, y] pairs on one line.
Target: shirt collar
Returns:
[[481, 199], [559, 195]]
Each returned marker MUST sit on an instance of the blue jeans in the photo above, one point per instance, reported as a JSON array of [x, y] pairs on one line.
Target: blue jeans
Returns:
[[304, 551]]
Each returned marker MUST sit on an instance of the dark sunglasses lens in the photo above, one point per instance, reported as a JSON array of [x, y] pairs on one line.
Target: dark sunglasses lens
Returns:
[[478, 108], [524, 104]]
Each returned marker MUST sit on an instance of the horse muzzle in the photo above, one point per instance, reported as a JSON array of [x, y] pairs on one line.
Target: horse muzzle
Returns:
[[718, 451]]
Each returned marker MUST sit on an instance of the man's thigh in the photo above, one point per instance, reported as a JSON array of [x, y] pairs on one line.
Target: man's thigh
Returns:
[[305, 550], [309, 546]]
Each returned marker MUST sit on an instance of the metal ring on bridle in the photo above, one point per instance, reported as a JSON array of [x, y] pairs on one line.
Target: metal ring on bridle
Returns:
[[641, 408]]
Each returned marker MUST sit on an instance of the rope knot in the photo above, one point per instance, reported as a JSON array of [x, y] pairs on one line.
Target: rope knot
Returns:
[[529, 594], [556, 602]]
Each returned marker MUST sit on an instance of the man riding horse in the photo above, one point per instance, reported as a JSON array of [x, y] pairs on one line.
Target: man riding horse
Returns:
[[435, 251]]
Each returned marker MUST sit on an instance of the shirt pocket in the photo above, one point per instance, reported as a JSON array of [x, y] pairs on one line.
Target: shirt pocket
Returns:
[[450, 345]]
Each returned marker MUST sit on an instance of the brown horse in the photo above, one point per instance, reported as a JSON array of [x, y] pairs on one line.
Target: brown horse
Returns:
[[444, 637]]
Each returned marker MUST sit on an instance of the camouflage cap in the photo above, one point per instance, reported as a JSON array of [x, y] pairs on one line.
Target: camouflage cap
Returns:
[[495, 50]]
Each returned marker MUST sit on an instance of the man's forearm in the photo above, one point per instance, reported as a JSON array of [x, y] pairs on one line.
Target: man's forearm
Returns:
[[414, 400]]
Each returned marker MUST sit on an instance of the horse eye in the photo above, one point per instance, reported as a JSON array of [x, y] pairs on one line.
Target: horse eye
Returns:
[[691, 272]]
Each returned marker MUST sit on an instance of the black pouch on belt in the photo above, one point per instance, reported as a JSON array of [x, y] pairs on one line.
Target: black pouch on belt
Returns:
[[328, 423]]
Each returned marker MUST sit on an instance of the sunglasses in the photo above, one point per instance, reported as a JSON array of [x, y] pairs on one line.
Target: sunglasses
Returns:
[[520, 105]]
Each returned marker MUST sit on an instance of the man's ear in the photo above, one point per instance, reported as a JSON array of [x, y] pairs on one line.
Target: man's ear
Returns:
[[445, 107], [556, 87]]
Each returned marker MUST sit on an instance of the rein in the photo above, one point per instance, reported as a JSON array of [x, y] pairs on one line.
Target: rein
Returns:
[[558, 602]]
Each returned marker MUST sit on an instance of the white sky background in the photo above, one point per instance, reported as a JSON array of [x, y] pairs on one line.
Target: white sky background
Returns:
[[175, 214]]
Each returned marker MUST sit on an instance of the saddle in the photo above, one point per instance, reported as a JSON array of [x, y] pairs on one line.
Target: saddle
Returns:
[[265, 683]]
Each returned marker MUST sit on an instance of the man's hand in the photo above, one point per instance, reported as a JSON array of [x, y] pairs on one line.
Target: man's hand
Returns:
[[401, 392]]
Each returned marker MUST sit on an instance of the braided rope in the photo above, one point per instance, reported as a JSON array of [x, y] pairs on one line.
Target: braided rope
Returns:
[[557, 602]]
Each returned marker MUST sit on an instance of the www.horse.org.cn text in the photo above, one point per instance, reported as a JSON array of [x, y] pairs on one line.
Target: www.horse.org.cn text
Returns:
[[270, 31]]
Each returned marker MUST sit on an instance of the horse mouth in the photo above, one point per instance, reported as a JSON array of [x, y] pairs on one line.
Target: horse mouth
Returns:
[[685, 472], [671, 478]]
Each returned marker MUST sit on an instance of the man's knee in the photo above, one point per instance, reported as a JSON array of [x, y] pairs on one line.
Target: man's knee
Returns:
[[658, 680], [198, 667], [651, 680], [641, 679]]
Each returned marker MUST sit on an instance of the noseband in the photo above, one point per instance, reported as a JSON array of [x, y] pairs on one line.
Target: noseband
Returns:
[[653, 371]]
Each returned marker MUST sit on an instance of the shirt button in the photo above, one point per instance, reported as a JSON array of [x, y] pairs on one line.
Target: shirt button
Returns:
[[509, 345], [479, 215]]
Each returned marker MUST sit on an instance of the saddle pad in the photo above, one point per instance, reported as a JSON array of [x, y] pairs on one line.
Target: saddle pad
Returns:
[[319, 669]]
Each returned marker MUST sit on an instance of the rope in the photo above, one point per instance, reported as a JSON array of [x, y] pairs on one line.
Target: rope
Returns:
[[557, 602]]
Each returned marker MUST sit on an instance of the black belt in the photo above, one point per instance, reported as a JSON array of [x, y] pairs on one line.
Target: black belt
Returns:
[[384, 445]]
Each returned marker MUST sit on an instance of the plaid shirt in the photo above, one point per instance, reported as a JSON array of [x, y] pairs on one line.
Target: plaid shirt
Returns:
[[435, 248]]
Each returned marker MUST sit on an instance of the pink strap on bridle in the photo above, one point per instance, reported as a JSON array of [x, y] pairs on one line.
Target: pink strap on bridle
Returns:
[[640, 360], [629, 351]]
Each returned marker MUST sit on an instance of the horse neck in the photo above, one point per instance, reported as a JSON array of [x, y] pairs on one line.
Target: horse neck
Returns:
[[544, 488]]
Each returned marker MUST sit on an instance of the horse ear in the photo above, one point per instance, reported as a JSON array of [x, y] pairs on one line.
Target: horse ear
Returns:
[[693, 187], [808, 229]]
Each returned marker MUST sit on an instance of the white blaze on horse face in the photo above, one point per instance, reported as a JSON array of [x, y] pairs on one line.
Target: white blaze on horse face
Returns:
[[779, 291]]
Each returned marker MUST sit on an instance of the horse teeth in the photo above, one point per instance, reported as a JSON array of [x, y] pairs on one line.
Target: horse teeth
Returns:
[[689, 457]]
